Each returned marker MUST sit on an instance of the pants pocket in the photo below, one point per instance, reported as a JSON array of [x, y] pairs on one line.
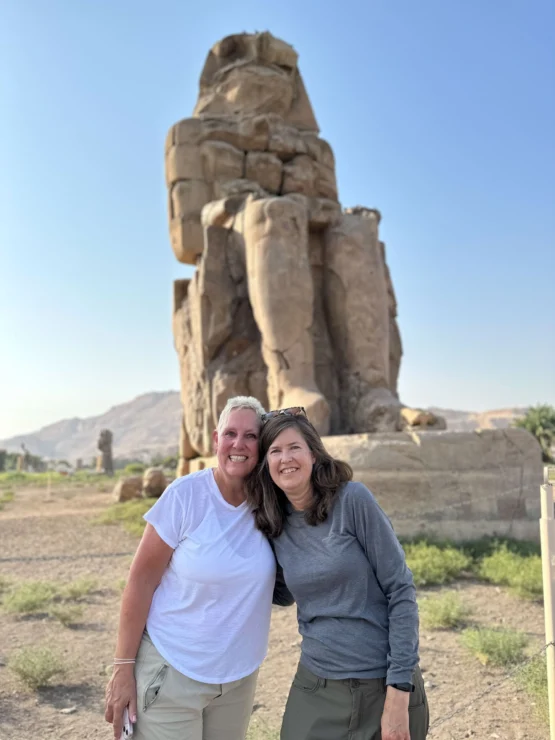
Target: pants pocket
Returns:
[[153, 687], [418, 696], [306, 681]]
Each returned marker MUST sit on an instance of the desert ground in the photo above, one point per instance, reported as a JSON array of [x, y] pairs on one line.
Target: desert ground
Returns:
[[50, 536]]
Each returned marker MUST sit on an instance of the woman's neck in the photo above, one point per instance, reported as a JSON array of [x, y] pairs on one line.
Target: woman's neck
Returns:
[[232, 489], [300, 500]]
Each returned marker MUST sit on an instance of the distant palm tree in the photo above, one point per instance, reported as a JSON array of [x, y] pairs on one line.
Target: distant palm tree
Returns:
[[540, 421]]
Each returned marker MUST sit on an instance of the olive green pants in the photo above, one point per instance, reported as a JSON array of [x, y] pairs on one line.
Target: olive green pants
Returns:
[[324, 709]]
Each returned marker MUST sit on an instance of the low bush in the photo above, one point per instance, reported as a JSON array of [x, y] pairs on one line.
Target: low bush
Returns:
[[435, 565], [495, 647], [443, 611], [77, 589], [36, 666], [532, 677], [522, 574], [33, 597], [135, 468], [66, 614], [30, 597]]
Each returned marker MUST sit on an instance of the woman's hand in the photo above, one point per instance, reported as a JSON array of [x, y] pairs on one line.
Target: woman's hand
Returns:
[[395, 717], [121, 692]]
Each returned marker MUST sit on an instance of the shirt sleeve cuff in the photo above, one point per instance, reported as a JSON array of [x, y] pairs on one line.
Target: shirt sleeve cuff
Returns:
[[159, 531], [399, 677]]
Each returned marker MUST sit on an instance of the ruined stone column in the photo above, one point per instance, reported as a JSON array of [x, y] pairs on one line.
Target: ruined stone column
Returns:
[[105, 447]]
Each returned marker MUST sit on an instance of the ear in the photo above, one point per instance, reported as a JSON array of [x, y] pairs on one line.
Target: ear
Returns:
[[215, 440]]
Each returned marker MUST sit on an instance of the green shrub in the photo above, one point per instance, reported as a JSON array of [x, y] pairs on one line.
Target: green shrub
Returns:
[[135, 468], [495, 647], [435, 565], [532, 677], [485, 546], [30, 597], [540, 421], [36, 666], [443, 611], [77, 589], [66, 614], [521, 574]]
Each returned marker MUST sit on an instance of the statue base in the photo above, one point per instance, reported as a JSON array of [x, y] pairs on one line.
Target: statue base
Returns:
[[446, 485]]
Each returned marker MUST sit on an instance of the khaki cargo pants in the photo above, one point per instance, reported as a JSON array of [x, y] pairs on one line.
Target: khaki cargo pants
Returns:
[[171, 706], [323, 709]]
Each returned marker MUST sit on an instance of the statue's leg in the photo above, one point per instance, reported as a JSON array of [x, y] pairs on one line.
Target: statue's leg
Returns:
[[282, 297], [357, 304]]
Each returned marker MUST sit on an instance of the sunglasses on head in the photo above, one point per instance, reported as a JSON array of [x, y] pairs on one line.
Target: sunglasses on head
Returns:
[[292, 411]]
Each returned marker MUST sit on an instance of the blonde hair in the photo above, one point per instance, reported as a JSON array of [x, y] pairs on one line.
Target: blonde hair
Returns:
[[240, 402]]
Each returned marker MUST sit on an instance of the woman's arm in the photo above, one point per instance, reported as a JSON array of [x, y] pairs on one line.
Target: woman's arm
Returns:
[[282, 595], [150, 561], [387, 558]]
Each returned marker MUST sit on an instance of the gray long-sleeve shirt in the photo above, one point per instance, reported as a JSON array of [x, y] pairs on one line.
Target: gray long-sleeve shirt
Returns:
[[356, 601]]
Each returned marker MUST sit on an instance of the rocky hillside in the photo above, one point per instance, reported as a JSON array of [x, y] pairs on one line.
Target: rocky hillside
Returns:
[[149, 424]]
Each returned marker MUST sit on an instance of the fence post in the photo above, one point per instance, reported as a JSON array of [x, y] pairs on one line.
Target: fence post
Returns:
[[547, 534]]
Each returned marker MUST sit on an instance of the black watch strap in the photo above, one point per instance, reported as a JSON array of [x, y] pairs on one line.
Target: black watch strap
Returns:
[[408, 687]]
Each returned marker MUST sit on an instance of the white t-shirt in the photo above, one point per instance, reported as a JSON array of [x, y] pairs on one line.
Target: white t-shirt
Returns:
[[210, 614]]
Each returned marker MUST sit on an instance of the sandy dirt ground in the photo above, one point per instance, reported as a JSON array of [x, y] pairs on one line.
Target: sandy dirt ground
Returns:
[[50, 536]]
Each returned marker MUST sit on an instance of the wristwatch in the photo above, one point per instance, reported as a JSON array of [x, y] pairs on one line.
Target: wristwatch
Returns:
[[408, 687]]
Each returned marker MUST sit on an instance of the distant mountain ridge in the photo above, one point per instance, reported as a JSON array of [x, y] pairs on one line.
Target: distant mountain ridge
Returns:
[[149, 424], [146, 425]]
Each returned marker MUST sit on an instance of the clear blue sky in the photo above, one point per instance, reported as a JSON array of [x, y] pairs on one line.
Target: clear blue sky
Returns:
[[441, 114]]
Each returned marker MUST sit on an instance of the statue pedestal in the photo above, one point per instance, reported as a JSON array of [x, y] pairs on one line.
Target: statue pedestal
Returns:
[[453, 485]]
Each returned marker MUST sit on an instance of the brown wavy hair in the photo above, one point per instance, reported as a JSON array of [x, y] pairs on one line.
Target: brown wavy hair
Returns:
[[269, 502]]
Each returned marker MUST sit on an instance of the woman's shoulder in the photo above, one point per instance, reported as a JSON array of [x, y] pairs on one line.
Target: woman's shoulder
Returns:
[[202, 477], [354, 490], [190, 486]]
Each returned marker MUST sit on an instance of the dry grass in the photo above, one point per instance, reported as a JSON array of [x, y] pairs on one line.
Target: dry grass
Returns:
[[130, 514], [495, 647], [36, 666], [30, 597], [443, 611], [533, 679], [66, 614]]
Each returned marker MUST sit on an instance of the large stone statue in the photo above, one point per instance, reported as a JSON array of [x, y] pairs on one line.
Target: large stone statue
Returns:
[[291, 300], [105, 462]]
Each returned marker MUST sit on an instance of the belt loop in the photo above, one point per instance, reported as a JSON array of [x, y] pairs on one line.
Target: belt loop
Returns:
[[323, 683]]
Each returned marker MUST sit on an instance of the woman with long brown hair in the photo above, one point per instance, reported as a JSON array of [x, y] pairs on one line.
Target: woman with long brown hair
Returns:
[[358, 675]]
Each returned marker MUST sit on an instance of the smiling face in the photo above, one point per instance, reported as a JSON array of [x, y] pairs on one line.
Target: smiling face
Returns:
[[290, 462], [236, 444]]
